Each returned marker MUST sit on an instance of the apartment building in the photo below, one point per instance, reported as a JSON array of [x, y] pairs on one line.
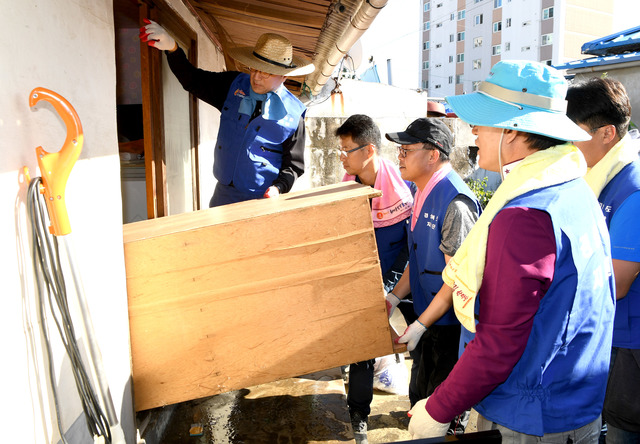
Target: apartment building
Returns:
[[463, 39]]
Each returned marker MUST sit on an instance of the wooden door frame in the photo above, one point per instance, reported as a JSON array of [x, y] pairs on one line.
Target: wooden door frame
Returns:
[[152, 108]]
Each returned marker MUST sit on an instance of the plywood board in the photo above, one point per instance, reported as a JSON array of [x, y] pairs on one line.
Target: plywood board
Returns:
[[254, 292]]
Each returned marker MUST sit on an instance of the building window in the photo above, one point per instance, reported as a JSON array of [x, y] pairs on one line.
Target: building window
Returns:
[[461, 36], [439, 65], [439, 25], [478, 19], [425, 84], [460, 57], [527, 23], [438, 45], [427, 26], [453, 16], [450, 80], [477, 1], [496, 50], [546, 62], [475, 85], [461, 14], [477, 42], [426, 45], [439, 5], [547, 13], [450, 59], [425, 65], [459, 79], [547, 39], [507, 23], [427, 6], [438, 86], [477, 64], [497, 3], [451, 38], [525, 48], [497, 26], [507, 46]]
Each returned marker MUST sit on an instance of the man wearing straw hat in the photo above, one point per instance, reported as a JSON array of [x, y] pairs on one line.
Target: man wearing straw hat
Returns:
[[533, 279], [260, 146]]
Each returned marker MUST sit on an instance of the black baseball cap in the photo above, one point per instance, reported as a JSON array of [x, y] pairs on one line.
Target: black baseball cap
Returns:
[[425, 130]]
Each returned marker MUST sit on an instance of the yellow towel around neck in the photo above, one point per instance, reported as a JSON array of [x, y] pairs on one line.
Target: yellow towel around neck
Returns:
[[620, 155], [541, 169]]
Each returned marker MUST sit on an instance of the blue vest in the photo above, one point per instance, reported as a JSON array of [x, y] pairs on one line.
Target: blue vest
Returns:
[[390, 241], [249, 154], [626, 329], [426, 261], [559, 382]]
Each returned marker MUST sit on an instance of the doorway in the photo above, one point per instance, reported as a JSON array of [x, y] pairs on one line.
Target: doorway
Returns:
[[156, 117]]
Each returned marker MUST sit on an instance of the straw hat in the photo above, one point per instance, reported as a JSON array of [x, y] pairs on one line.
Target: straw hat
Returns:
[[272, 54], [521, 95]]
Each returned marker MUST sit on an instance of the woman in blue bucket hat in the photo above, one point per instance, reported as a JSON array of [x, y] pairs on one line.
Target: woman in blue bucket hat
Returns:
[[533, 278]]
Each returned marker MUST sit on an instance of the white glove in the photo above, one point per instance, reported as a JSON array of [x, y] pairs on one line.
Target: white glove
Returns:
[[156, 36], [392, 302], [412, 335], [272, 191], [422, 425]]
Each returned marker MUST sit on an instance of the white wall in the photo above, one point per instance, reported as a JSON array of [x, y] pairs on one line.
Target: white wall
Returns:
[[395, 35], [67, 46]]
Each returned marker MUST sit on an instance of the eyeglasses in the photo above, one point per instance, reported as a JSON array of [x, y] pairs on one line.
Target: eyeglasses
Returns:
[[344, 152], [260, 74], [593, 130], [402, 151]]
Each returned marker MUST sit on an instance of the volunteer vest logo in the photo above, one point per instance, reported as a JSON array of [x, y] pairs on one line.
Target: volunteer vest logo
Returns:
[[432, 220]]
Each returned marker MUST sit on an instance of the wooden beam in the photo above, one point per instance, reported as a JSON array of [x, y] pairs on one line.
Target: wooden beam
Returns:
[[281, 14], [267, 24]]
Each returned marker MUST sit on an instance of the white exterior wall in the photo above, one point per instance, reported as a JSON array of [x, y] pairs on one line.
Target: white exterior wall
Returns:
[[482, 53], [386, 40], [510, 35], [439, 66], [66, 46], [525, 36]]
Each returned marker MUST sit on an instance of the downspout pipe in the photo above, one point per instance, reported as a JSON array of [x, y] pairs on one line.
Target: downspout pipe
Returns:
[[359, 23]]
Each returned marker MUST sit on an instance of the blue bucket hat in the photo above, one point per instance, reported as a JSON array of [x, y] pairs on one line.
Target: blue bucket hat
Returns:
[[521, 95]]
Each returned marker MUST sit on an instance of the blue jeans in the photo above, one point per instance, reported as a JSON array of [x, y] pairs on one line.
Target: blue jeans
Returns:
[[588, 434]]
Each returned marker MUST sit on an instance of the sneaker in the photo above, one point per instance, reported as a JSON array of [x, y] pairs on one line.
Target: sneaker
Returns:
[[459, 424], [359, 424]]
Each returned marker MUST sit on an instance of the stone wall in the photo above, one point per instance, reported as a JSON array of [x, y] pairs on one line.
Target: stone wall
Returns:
[[323, 162]]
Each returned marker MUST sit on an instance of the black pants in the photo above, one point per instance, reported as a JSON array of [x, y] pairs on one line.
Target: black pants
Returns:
[[438, 354], [361, 373]]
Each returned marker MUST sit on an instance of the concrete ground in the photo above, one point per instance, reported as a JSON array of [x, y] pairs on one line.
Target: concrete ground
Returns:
[[307, 409]]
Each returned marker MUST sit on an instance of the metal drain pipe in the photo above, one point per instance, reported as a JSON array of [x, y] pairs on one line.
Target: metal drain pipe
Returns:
[[360, 22]]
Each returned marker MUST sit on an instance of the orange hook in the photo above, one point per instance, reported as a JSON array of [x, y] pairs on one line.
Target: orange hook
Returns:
[[56, 167]]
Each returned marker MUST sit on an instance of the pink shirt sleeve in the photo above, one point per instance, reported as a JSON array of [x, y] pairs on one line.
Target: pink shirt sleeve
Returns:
[[521, 253]]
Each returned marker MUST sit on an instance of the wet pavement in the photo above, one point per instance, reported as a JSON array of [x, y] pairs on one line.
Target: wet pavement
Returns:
[[307, 409]]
